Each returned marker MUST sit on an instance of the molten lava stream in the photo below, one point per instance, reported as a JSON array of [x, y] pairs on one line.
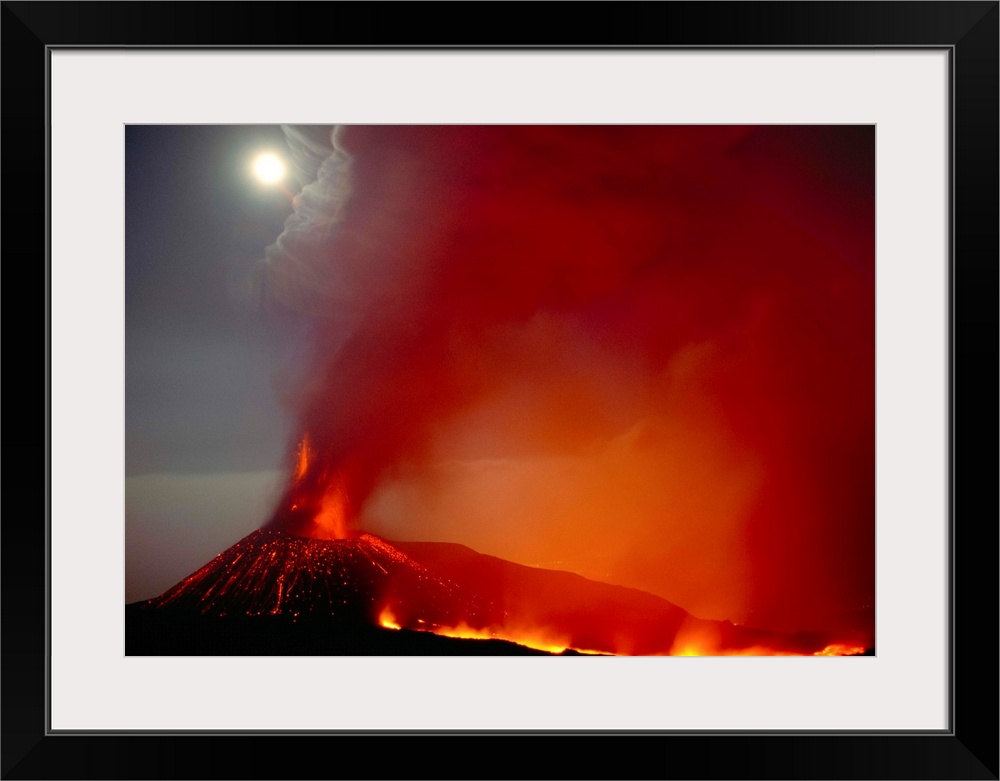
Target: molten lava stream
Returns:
[[536, 640], [839, 649]]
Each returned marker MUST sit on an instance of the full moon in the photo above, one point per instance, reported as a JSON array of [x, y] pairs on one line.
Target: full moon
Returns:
[[269, 169]]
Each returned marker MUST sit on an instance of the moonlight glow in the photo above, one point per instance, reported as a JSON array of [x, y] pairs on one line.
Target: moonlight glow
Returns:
[[269, 169]]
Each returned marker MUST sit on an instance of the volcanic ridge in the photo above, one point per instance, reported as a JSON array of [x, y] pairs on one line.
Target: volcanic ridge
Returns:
[[278, 593]]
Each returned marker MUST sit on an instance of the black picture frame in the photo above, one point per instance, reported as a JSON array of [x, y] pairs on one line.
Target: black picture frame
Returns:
[[967, 30]]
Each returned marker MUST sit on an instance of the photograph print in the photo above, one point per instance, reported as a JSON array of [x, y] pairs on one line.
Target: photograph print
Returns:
[[500, 390]]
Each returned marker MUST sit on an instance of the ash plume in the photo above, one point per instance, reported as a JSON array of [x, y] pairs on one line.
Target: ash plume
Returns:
[[674, 323]]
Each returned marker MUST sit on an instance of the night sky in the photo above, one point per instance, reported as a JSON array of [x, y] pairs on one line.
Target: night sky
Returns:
[[204, 432], [643, 354]]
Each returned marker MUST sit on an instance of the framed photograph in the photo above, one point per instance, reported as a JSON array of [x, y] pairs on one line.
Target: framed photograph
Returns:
[[671, 329]]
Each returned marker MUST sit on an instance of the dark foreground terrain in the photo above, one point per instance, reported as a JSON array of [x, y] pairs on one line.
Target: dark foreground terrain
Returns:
[[181, 633]]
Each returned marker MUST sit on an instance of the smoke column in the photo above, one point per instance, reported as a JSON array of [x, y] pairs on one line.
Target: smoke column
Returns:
[[674, 324]]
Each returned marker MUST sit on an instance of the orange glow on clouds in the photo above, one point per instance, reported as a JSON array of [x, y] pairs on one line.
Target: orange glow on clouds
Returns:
[[642, 354]]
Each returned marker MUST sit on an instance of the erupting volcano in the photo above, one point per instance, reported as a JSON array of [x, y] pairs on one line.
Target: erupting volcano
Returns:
[[560, 389], [344, 587]]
